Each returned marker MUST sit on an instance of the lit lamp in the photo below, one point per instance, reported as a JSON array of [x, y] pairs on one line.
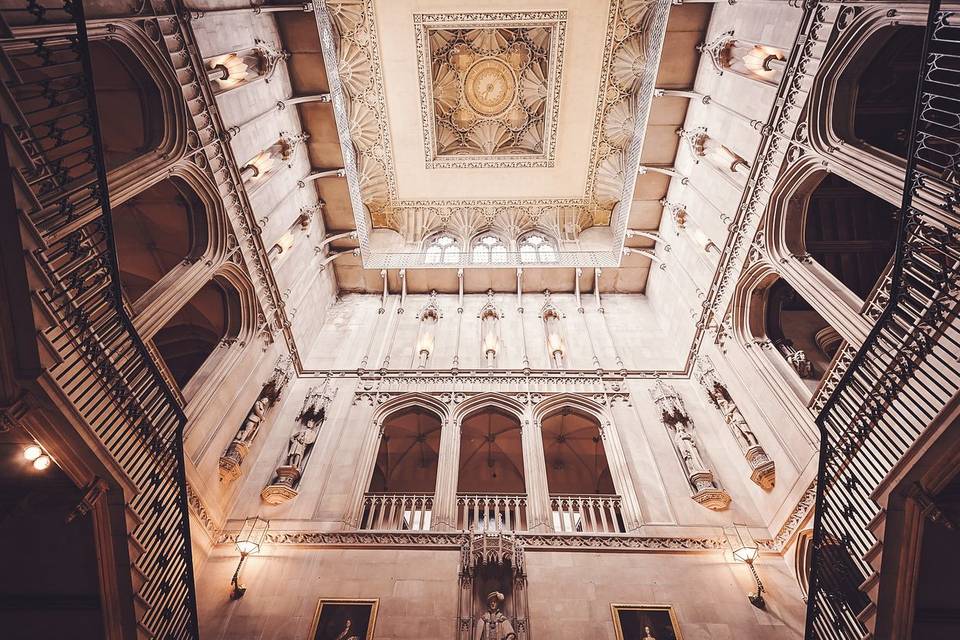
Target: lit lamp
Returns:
[[251, 536], [490, 349], [745, 550], [424, 348], [228, 70], [556, 348]]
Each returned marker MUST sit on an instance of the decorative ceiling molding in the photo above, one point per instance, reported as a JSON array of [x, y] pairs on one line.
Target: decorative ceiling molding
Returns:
[[632, 47], [490, 87]]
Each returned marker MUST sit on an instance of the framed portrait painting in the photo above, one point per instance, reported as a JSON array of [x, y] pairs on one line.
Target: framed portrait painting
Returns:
[[339, 619], [645, 622]]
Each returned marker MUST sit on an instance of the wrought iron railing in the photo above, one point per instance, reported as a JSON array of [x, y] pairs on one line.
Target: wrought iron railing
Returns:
[[102, 366], [907, 370]]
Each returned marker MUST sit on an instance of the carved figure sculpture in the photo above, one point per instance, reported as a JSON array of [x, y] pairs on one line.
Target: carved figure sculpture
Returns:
[[297, 453], [493, 625], [763, 469], [706, 490], [237, 450], [689, 451], [248, 431], [297, 446]]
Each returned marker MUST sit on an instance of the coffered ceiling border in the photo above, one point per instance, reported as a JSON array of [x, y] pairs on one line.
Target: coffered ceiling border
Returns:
[[348, 38], [425, 22]]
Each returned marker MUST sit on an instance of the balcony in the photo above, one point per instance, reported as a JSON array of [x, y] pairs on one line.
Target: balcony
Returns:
[[397, 511], [587, 514], [492, 513]]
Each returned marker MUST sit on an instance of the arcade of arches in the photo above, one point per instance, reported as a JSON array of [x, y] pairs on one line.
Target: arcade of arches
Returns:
[[385, 319]]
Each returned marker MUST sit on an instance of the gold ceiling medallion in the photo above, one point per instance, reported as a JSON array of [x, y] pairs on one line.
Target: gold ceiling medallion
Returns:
[[490, 87]]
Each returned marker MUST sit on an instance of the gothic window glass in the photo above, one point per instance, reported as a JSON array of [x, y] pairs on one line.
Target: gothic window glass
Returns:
[[489, 249], [442, 249], [536, 247]]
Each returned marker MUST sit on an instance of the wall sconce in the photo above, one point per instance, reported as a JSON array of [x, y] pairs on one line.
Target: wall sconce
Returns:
[[228, 70], [35, 454], [251, 536], [555, 342], [745, 550]]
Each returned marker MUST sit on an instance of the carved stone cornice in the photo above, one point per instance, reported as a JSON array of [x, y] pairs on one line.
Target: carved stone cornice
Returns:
[[792, 523], [201, 513], [455, 540]]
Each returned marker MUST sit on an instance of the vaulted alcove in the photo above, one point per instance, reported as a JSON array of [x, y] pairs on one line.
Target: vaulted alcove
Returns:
[[129, 105], [186, 341], [875, 95], [154, 231], [850, 232]]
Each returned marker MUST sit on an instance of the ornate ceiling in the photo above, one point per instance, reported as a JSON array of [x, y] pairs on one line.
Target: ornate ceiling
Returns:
[[489, 88], [506, 121]]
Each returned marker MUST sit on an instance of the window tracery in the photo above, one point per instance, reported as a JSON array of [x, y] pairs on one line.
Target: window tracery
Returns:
[[443, 248], [537, 247], [489, 248]]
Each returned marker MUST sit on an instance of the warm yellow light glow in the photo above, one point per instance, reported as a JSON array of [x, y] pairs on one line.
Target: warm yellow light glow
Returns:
[[246, 547], [32, 452], [555, 343], [234, 66], [42, 462], [746, 554]]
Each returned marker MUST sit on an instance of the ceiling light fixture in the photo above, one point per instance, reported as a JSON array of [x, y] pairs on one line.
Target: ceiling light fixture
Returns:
[[42, 462], [32, 452]]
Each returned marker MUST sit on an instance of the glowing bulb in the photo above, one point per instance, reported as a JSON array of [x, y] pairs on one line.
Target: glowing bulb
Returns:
[[32, 452], [42, 462], [246, 547]]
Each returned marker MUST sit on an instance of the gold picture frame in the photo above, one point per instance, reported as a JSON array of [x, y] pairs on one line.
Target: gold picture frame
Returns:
[[356, 617], [631, 620]]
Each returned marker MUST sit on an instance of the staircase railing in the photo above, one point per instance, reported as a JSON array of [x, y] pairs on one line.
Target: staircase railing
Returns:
[[102, 366], [907, 370]]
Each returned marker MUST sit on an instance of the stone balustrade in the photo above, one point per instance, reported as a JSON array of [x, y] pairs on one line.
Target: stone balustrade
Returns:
[[586, 514], [397, 511]]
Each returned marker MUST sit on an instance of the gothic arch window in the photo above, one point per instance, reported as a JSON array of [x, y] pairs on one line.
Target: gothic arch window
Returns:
[[875, 93], [213, 316], [155, 231], [536, 247], [488, 248], [128, 99], [443, 248]]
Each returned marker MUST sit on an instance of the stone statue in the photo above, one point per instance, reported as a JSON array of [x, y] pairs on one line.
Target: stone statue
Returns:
[[297, 446], [493, 625], [689, 451], [252, 423], [738, 426]]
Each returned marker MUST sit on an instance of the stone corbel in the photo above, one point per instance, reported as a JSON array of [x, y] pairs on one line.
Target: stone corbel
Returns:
[[239, 447], [706, 489], [762, 467]]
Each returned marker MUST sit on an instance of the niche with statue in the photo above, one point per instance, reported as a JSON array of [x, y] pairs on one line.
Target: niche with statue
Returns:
[[493, 594]]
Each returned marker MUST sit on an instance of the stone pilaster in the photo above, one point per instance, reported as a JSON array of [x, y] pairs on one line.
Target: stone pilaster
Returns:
[[444, 516], [539, 517]]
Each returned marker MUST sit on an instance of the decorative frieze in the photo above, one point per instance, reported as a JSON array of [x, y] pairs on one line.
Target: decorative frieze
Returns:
[[706, 489], [237, 450], [455, 540], [283, 487], [763, 469]]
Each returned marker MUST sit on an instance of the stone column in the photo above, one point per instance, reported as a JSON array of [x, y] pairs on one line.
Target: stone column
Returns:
[[620, 474], [539, 515], [444, 516], [366, 459]]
